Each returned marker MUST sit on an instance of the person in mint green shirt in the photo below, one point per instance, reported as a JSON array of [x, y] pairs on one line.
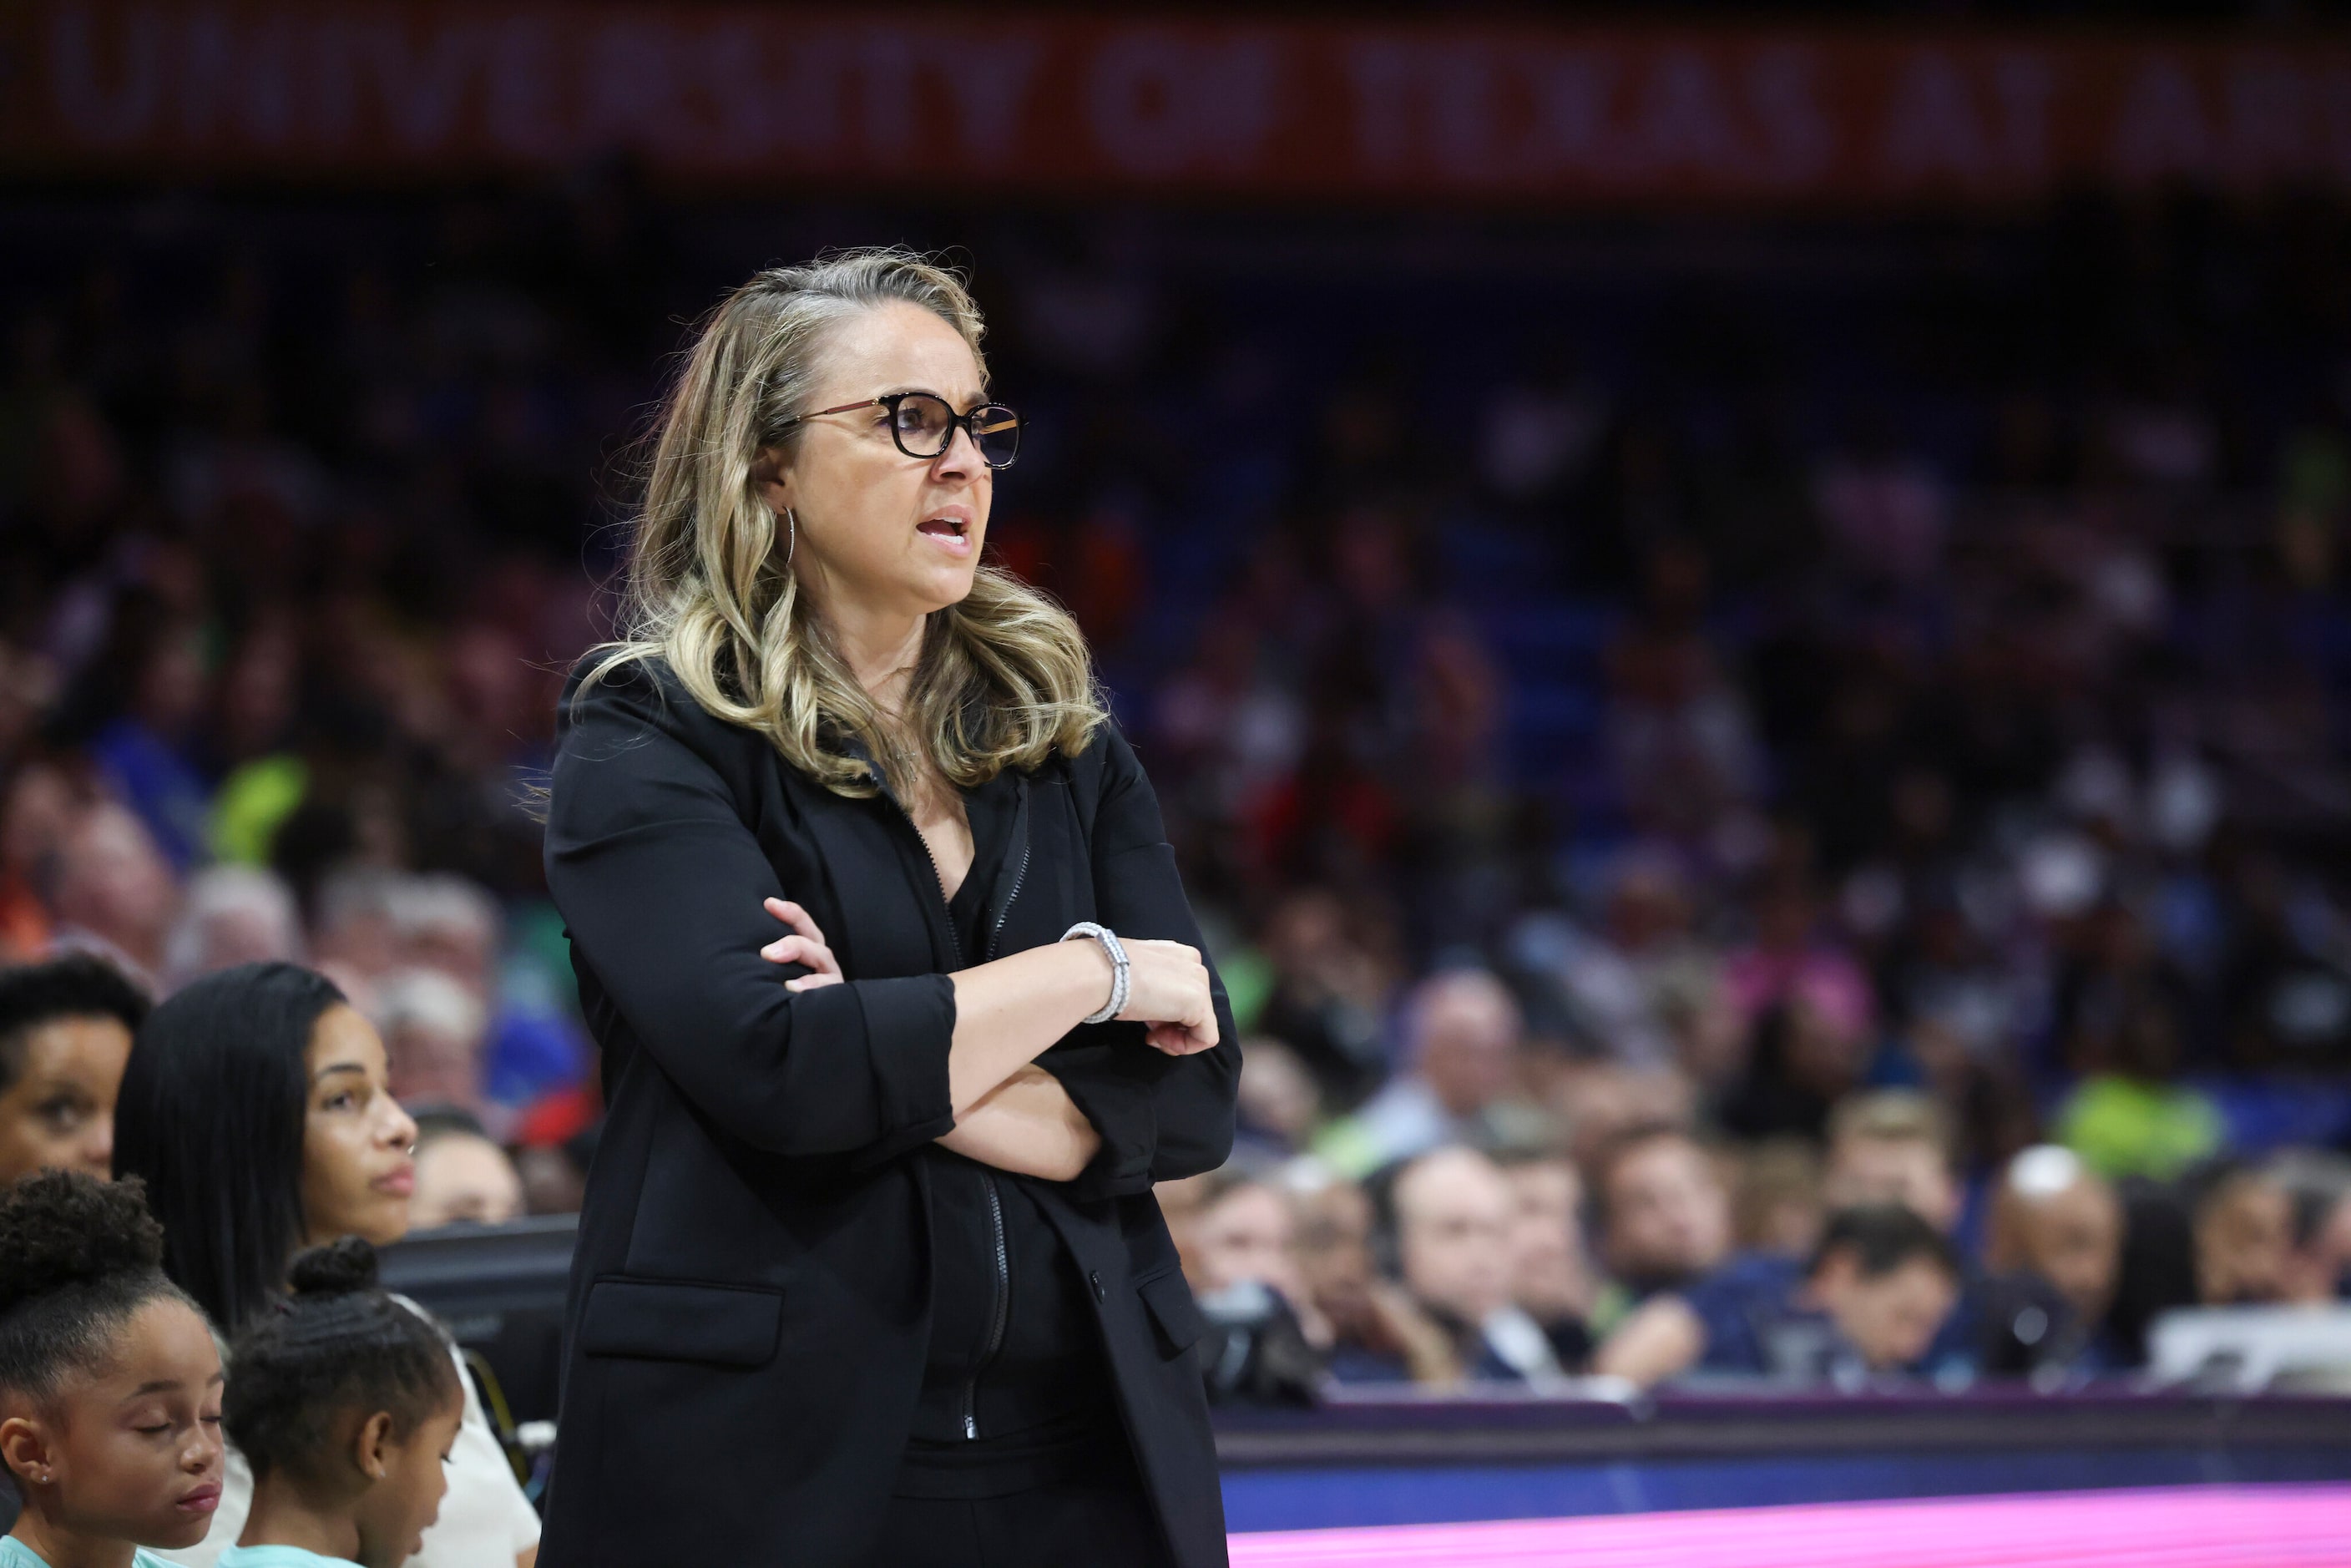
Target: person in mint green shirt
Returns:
[[277, 1557], [346, 1406], [110, 1382]]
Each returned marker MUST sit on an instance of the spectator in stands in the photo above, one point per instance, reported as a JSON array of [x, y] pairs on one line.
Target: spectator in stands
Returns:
[[1778, 1206], [1239, 1246], [1234, 1230], [1891, 1145], [36, 808], [1330, 990], [114, 889], [354, 938], [432, 1029], [1599, 1103], [1551, 1270], [1279, 1106], [1643, 990], [1377, 1334], [2318, 1265], [231, 915], [1865, 1307], [269, 1060], [65, 1033], [1793, 959], [109, 1385], [2129, 1115], [1806, 1053], [1664, 1214], [1454, 1212], [2056, 1218], [462, 1178], [452, 926], [144, 756], [346, 1403], [2243, 1221], [1461, 1040]]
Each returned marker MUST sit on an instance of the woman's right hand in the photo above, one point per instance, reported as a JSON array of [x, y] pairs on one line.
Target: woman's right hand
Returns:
[[1167, 990]]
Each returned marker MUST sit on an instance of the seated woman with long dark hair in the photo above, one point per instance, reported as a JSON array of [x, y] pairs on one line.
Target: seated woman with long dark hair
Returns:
[[255, 1110]]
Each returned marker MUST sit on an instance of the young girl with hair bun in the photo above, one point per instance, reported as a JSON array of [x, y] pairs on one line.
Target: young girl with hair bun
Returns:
[[109, 1383], [345, 1405]]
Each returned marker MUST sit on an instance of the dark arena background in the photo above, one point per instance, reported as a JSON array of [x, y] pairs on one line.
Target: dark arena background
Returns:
[[1734, 614]]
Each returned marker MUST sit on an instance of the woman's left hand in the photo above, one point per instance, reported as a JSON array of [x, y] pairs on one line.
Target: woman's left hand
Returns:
[[804, 946]]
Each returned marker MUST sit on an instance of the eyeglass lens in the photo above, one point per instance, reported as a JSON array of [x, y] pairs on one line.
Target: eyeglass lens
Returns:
[[925, 424]]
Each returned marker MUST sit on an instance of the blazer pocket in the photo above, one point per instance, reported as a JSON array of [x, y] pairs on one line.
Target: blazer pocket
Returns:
[[1174, 1313], [723, 1325]]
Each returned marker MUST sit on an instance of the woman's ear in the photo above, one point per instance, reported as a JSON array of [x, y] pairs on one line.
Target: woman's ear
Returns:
[[371, 1446], [772, 478], [24, 1448]]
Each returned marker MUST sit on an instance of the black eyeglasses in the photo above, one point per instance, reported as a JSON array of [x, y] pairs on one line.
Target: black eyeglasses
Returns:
[[922, 423]]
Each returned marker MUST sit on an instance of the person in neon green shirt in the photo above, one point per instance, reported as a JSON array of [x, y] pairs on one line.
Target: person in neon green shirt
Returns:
[[109, 1383]]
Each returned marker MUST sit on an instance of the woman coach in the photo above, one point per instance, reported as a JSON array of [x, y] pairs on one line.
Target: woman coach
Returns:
[[870, 1271]]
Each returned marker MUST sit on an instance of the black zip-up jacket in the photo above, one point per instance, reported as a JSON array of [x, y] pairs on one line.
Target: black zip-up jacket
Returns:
[[750, 1318]]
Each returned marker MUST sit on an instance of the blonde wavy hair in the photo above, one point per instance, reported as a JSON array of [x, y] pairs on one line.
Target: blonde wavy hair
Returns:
[[1004, 678]]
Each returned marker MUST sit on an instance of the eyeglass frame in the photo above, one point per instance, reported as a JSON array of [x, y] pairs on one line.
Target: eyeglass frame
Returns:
[[954, 422]]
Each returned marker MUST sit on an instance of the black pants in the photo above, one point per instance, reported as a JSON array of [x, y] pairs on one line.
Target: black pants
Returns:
[[1064, 1524]]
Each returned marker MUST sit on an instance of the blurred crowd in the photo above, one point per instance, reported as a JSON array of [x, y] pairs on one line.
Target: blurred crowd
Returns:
[[1782, 820]]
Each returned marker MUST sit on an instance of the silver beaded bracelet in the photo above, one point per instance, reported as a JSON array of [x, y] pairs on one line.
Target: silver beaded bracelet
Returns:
[[1116, 951]]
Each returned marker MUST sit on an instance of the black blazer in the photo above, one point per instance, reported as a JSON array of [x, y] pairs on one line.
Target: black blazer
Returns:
[[749, 1308]]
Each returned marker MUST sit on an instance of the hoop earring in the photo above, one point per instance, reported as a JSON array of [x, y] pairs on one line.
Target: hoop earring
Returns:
[[792, 540]]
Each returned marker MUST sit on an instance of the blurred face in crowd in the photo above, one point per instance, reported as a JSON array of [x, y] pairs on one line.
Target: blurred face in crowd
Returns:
[[1890, 1320], [35, 816], [1646, 908], [2244, 1235], [880, 532], [1825, 1050], [58, 1114], [114, 882], [2318, 1271], [1779, 1207], [1250, 1234], [1466, 1034], [1454, 1212], [358, 1175], [1548, 1274], [464, 1179], [432, 1066], [1277, 1093], [1911, 1172], [1334, 1251], [2072, 1236], [1668, 1212], [465, 952]]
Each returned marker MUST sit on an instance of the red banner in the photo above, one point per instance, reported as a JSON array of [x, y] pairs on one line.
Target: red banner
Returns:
[[760, 98]]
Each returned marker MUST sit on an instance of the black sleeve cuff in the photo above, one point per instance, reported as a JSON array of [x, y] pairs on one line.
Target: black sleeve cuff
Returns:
[[909, 1027], [1108, 1078]]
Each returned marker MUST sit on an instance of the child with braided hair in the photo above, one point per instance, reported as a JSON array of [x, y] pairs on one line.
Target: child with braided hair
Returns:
[[109, 1383], [346, 1403]]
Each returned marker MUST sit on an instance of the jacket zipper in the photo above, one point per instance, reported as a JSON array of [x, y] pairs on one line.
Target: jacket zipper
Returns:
[[1000, 1308], [1020, 875], [1000, 1318]]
